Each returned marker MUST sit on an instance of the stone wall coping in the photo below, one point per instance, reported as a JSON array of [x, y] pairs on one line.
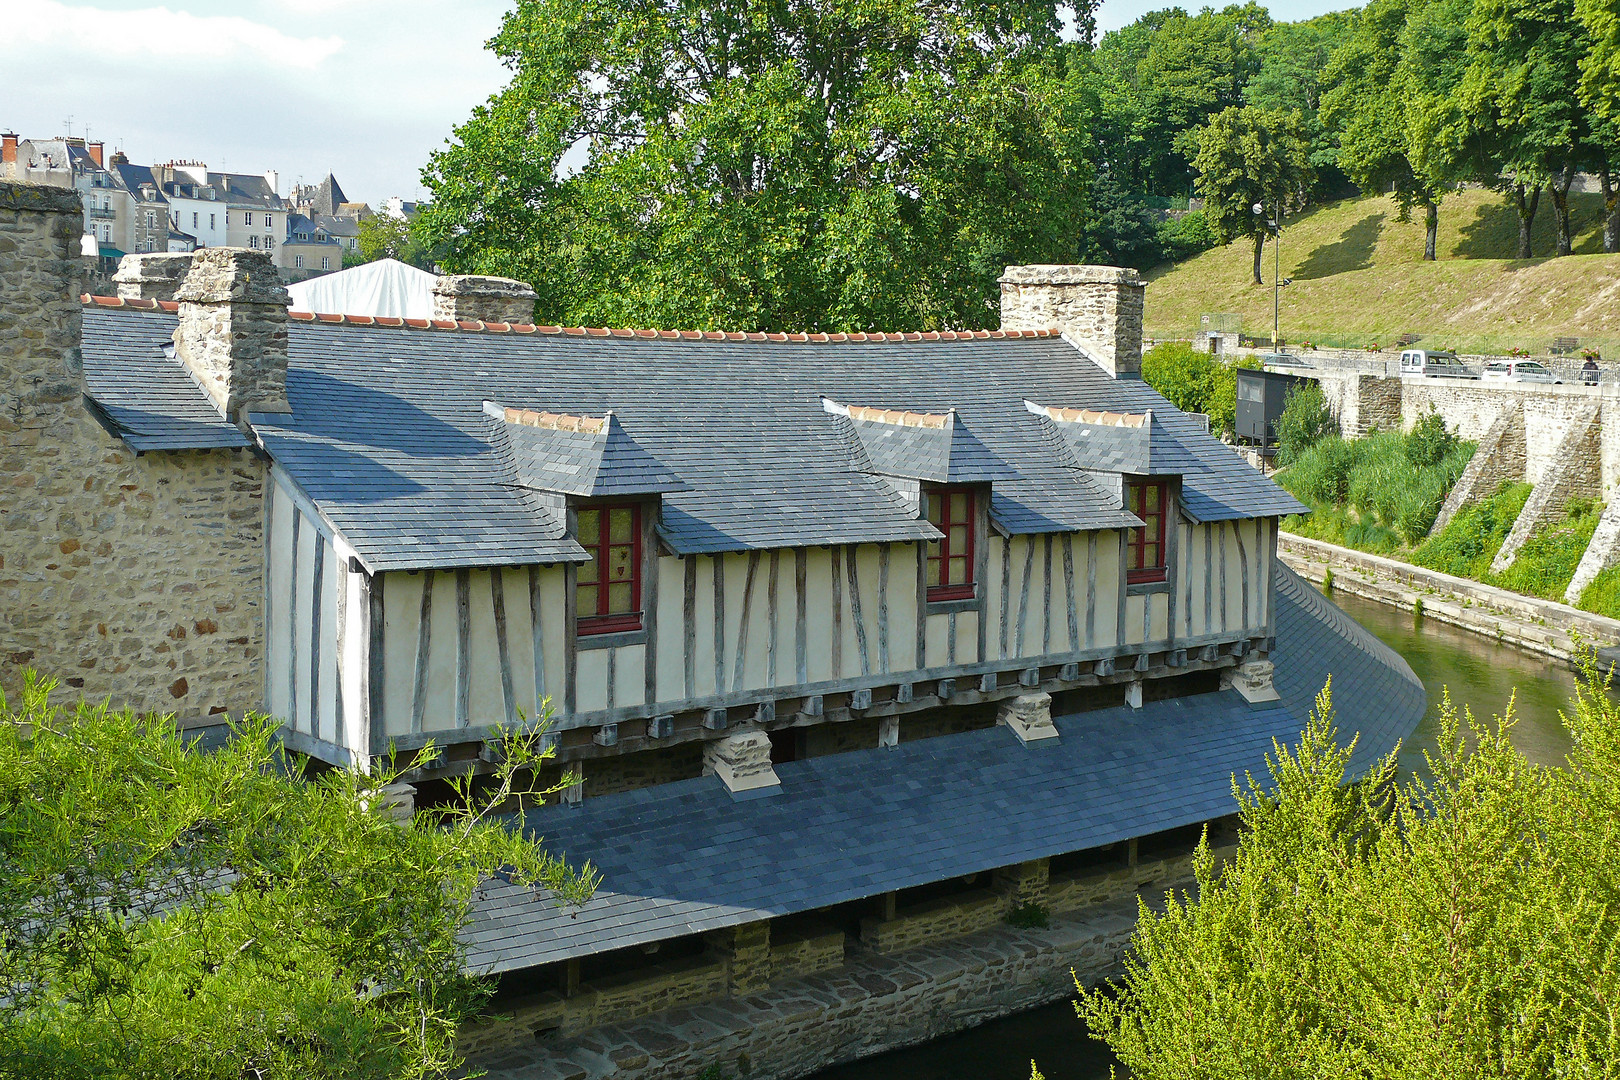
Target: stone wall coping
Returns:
[[1532, 609], [1068, 274], [596, 331], [483, 285], [39, 198]]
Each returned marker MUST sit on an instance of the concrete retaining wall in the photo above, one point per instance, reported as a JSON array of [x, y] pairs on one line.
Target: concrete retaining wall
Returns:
[[1541, 626]]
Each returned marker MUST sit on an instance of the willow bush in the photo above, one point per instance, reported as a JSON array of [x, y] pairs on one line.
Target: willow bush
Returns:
[[1459, 923]]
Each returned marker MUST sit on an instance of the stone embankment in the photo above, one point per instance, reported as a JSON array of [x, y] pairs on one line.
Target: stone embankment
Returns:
[[1541, 626]]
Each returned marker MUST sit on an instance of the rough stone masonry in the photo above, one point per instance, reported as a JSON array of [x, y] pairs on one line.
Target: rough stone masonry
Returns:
[[131, 577]]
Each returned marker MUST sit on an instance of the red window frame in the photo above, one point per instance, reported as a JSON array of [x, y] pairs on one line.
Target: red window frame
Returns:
[[594, 610], [1144, 547], [946, 514]]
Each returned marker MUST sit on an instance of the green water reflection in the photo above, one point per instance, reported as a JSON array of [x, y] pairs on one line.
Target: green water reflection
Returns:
[[1480, 674]]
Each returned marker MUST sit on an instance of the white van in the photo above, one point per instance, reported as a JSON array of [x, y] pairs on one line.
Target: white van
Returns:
[[1435, 365]]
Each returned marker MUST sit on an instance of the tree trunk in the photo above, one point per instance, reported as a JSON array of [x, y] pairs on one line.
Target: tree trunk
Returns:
[[1431, 229], [1611, 211], [1559, 190], [1259, 249], [1525, 203]]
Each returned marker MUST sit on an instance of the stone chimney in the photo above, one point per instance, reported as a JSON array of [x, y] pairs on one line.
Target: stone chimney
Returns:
[[95, 150], [1099, 308], [474, 297], [233, 330], [41, 276], [154, 275]]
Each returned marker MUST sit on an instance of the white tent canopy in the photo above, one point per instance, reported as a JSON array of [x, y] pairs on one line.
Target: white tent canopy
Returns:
[[384, 287]]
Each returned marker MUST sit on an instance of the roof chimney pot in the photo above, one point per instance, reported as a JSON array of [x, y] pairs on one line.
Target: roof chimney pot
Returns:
[[1098, 308]]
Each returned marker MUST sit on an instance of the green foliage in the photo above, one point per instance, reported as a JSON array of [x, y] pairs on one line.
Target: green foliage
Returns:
[[769, 166], [1429, 443], [1389, 482], [1305, 421], [1602, 596], [1252, 156], [1186, 236], [1547, 561], [173, 913], [383, 236], [1195, 381], [1468, 543], [1449, 925], [1029, 916]]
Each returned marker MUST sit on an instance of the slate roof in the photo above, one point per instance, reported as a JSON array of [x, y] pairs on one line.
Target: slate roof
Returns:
[[238, 189], [684, 858], [389, 437], [936, 447], [152, 401], [594, 459]]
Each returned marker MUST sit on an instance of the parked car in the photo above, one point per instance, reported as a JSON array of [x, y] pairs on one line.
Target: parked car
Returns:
[[1281, 360], [1521, 371], [1435, 365]]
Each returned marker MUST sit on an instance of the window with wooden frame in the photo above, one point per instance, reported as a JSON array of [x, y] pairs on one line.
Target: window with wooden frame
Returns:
[[950, 559], [1144, 547], [607, 591]]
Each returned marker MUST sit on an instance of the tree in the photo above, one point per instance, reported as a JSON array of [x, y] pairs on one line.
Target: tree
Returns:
[[1122, 230], [1442, 143], [771, 166], [1366, 105], [384, 236], [1294, 61], [1196, 382], [1454, 924], [1249, 156], [171, 912], [1600, 93]]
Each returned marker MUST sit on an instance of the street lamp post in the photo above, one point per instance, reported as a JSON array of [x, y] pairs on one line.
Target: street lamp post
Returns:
[[1277, 281]]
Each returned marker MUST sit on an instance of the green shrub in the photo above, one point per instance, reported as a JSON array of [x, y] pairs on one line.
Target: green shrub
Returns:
[[1321, 476], [1305, 421], [1429, 442], [1195, 382], [1602, 597], [1184, 237], [1547, 561], [1468, 543]]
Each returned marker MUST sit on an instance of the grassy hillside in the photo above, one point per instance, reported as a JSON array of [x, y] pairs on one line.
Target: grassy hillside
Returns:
[[1359, 277]]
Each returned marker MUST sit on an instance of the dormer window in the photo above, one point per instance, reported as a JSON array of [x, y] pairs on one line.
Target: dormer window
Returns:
[[1144, 547], [607, 596], [950, 558]]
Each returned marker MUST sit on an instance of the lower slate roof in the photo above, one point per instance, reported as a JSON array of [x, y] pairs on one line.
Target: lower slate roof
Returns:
[[388, 434], [684, 858], [153, 402]]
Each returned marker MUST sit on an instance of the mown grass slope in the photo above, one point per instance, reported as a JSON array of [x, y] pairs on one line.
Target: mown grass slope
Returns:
[[1359, 278]]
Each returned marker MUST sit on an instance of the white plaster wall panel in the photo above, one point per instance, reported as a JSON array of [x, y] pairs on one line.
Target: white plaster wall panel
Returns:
[[514, 581], [1135, 619], [937, 640], [782, 621], [703, 627], [485, 695], [303, 625], [402, 605], [278, 614], [1159, 611], [1028, 610], [671, 641], [993, 591], [439, 698], [967, 637], [1107, 587], [902, 600], [746, 632], [356, 643], [629, 676], [326, 701], [864, 586], [1179, 613], [590, 680], [818, 619], [553, 612]]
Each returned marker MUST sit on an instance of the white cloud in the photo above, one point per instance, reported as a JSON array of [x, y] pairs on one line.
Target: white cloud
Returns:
[[157, 32]]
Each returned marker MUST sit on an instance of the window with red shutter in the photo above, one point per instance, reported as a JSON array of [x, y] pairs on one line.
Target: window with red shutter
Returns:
[[950, 560], [607, 590], [1144, 547]]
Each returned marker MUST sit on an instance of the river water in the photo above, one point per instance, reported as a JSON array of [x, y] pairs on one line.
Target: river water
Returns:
[[1480, 673]]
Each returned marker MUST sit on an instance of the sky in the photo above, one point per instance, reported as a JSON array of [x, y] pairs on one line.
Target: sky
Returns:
[[364, 89]]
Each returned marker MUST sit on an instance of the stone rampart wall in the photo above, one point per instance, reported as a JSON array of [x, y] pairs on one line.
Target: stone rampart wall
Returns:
[[135, 578]]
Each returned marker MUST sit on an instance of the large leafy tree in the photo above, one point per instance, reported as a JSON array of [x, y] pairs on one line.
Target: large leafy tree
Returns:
[[804, 165], [1367, 105], [1447, 926], [1248, 156], [1520, 89], [1293, 73], [1600, 93], [214, 916]]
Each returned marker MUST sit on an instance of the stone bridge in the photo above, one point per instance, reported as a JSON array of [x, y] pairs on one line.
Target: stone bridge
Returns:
[[1564, 439]]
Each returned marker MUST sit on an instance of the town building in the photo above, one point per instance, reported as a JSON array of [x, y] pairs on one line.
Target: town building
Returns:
[[221, 209], [857, 643], [309, 249]]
